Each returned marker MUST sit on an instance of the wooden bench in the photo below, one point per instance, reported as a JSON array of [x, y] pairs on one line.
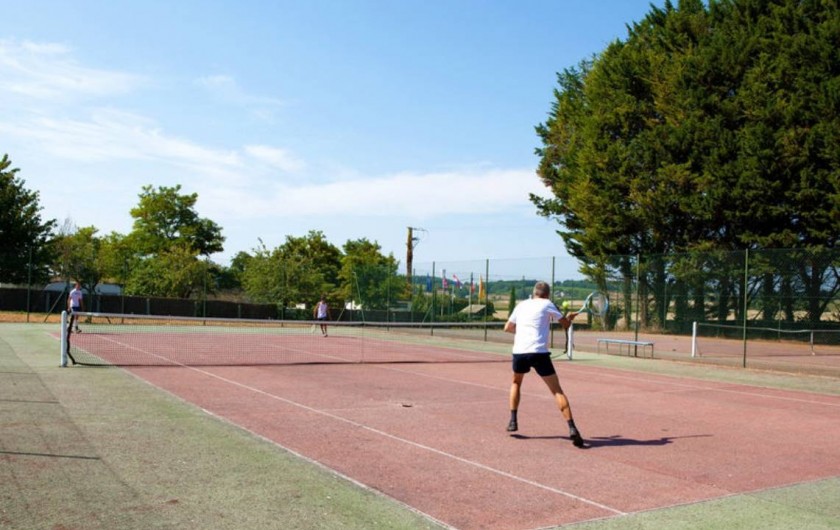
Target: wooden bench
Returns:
[[631, 345]]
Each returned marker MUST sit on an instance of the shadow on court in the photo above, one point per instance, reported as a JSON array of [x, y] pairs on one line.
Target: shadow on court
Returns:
[[614, 440]]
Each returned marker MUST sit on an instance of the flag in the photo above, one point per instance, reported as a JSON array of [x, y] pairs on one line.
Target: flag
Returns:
[[481, 293], [428, 283], [457, 281], [445, 284]]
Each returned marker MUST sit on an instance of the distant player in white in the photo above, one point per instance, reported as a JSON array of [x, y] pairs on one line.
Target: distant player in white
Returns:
[[322, 313], [530, 321], [75, 303]]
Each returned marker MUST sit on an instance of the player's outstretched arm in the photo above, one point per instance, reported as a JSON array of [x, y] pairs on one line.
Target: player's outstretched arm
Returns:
[[566, 321]]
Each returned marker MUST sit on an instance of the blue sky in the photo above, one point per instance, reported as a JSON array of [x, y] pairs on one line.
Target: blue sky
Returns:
[[358, 118]]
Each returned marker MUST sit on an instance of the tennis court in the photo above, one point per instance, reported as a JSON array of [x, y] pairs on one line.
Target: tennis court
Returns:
[[431, 434]]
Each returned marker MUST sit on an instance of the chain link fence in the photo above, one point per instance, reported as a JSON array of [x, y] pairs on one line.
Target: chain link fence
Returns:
[[739, 295]]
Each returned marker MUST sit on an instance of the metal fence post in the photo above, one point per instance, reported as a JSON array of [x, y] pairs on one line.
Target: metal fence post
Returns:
[[746, 301]]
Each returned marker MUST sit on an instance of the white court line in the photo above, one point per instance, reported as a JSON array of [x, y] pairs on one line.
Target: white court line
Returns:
[[401, 440]]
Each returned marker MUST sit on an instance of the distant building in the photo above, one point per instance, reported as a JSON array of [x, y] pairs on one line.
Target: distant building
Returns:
[[475, 310]]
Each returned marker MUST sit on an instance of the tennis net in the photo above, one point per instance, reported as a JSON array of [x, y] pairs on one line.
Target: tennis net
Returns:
[[711, 339], [141, 340]]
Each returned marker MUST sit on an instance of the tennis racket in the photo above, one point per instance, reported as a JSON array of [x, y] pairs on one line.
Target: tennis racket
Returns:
[[596, 304]]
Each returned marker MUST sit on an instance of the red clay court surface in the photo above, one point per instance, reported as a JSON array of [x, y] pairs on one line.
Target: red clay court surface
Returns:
[[433, 436]]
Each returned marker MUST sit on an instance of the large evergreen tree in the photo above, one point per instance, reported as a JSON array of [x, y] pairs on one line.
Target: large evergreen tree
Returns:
[[713, 126], [715, 123]]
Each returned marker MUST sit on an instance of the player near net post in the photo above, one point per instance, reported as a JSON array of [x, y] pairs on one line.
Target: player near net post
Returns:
[[75, 304], [530, 323], [565, 305]]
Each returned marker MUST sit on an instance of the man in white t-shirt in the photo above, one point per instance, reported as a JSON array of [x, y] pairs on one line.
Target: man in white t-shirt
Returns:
[[75, 303], [530, 321]]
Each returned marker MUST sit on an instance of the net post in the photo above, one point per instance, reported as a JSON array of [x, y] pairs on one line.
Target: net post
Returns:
[[553, 297], [694, 339], [571, 349], [746, 302], [63, 342]]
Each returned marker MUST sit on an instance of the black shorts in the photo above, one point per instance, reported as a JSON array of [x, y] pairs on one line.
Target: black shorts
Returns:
[[540, 362]]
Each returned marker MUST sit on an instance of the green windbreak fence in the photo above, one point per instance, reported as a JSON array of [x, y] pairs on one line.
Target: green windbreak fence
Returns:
[[788, 289]]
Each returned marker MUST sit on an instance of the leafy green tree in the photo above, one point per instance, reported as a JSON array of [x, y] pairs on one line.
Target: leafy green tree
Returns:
[[173, 273], [320, 257], [368, 276], [260, 280], [25, 236], [298, 271], [225, 278], [118, 258], [165, 217], [162, 251], [234, 273], [79, 257]]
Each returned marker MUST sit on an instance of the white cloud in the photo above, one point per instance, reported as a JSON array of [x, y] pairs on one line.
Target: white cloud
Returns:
[[245, 182], [494, 191], [277, 158], [226, 89], [113, 135], [46, 71]]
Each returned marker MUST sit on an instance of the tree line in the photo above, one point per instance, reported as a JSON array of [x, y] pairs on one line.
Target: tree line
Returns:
[[167, 254]]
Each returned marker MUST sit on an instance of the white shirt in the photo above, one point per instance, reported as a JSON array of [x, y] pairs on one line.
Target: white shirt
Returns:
[[75, 298], [532, 318], [322, 310]]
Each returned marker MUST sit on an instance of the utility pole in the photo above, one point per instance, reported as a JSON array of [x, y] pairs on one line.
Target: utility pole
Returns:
[[409, 253]]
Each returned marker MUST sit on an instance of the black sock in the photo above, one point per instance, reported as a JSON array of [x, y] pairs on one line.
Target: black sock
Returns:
[[513, 415], [572, 424]]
